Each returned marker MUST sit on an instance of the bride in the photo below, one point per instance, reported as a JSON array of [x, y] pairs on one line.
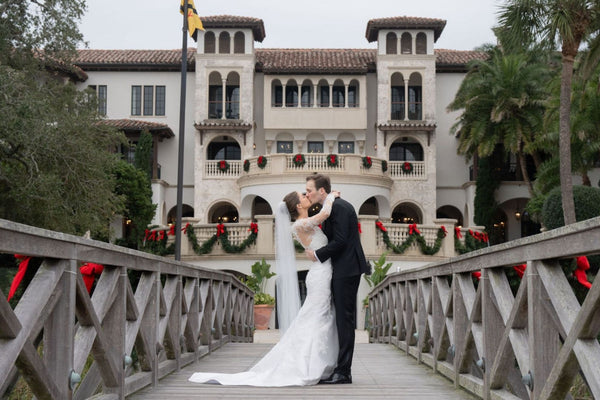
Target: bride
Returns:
[[307, 351]]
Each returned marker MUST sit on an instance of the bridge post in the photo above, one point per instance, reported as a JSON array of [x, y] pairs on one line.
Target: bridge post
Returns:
[[493, 328]]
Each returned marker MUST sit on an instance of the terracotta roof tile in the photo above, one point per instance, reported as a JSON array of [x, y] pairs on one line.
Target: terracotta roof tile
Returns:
[[136, 125], [456, 59], [340, 61], [374, 25], [232, 21], [133, 59]]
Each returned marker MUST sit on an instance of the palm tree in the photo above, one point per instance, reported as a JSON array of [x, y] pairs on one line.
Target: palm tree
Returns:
[[502, 99], [551, 22]]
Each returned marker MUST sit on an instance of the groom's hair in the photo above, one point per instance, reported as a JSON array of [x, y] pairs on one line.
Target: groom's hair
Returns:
[[321, 181]]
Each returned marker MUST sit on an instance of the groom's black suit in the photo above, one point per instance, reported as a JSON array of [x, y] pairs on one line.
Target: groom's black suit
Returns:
[[348, 262]]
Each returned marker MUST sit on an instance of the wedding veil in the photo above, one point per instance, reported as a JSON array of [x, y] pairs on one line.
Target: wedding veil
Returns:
[[288, 294]]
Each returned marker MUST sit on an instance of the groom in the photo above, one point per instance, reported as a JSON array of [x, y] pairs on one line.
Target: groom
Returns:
[[348, 262]]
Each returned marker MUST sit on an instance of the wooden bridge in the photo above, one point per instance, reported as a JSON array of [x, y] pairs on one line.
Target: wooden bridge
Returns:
[[436, 332]]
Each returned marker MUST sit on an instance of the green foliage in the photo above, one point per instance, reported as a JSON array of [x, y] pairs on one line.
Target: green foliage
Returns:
[[143, 153], [471, 244], [485, 201], [257, 282], [547, 178], [134, 186], [587, 205], [425, 249], [264, 298], [379, 272], [207, 246]]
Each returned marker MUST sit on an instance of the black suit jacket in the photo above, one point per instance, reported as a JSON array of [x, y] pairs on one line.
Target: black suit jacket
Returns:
[[344, 248]]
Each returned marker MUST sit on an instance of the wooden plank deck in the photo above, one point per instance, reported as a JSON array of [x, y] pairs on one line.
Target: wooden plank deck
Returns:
[[379, 371]]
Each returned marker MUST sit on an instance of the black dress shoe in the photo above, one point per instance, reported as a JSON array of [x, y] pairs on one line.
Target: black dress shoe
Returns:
[[337, 378]]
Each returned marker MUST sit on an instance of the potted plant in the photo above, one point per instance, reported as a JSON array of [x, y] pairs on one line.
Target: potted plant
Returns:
[[263, 302]]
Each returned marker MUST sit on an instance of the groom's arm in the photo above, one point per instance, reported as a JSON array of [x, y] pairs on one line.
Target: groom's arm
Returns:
[[339, 222]]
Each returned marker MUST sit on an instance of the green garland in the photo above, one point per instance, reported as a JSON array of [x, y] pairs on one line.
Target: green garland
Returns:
[[471, 244], [207, 246], [425, 249], [159, 247]]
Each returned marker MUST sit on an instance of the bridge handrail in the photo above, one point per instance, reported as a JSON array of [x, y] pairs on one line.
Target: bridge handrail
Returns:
[[496, 344], [162, 312]]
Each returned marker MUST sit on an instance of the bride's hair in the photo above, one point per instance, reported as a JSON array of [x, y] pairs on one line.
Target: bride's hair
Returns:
[[292, 200]]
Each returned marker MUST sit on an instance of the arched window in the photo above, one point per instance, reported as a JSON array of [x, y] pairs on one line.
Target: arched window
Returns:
[[421, 45], [260, 207], [405, 149], [406, 43], [239, 45], [323, 93], [391, 43], [307, 94], [415, 97], [369, 207], [222, 213], [406, 213], [338, 94], [232, 96], [209, 42], [450, 212], [276, 93], [186, 212], [397, 97], [353, 94], [224, 44], [215, 95], [223, 148], [291, 93]]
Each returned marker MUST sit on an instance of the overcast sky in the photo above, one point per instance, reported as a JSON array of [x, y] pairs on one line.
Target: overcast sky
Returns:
[[156, 24]]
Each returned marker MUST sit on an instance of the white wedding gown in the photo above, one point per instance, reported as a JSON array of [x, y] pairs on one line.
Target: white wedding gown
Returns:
[[308, 350]]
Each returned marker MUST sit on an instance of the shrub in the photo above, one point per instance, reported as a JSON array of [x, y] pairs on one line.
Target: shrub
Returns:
[[587, 205]]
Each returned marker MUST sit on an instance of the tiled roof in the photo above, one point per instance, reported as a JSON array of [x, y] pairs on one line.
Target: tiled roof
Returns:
[[134, 59], [136, 125], [347, 61], [232, 21], [269, 61], [400, 125], [374, 25], [223, 124]]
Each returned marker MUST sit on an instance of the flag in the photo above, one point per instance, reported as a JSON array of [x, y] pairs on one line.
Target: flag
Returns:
[[194, 23]]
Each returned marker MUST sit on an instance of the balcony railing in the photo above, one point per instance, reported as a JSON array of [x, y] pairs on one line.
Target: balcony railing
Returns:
[[396, 170], [212, 169]]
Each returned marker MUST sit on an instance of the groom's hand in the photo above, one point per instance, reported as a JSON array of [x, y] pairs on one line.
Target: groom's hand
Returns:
[[311, 255]]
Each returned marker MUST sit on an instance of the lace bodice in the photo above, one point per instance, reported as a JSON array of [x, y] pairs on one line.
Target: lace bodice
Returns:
[[307, 231]]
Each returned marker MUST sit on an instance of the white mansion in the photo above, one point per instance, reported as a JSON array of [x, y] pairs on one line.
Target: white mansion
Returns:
[[250, 113]]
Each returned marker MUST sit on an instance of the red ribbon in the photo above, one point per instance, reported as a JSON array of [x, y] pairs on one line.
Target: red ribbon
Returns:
[[146, 233], [171, 230], [299, 158], [222, 164], [379, 224], [185, 228], [520, 269], [89, 272], [332, 159], [161, 235], [152, 235], [359, 228], [443, 228], [582, 265], [220, 229], [476, 274], [20, 274], [486, 238], [413, 229], [253, 227], [457, 233]]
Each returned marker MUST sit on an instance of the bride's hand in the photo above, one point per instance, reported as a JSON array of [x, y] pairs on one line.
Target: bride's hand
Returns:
[[336, 193]]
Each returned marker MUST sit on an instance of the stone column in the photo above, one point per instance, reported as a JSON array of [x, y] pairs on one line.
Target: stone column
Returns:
[[265, 240], [447, 249], [368, 237]]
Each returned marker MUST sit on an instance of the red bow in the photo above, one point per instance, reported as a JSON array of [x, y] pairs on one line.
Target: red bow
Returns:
[[161, 235], [443, 228], [485, 237], [379, 224], [476, 274], [582, 265], [520, 269], [185, 228], [152, 235], [171, 230], [359, 228], [457, 233], [413, 229], [220, 229], [20, 274], [89, 272], [253, 227], [146, 233], [222, 164], [298, 157]]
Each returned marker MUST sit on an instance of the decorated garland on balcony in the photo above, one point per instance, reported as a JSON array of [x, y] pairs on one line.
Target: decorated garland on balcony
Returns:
[[407, 167], [223, 166], [413, 234], [299, 160], [367, 162], [384, 166], [473, 241], [261, 162], [332, 160], [223, 238], [246, 165]]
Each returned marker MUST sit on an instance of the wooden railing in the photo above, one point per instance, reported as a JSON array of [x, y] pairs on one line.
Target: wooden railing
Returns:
[[162, 313], [528, 341]]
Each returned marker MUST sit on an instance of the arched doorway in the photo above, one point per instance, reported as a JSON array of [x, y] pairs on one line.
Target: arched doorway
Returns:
[[260, 207], [450, 212], [369, 207], [407, 213], [223, 212], [499, 228], [186, 212]]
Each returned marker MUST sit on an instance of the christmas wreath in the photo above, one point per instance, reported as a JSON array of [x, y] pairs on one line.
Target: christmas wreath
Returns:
[[223, 166], [407, 167], [367, 162], [261, 162], [332, 160], [246, 165], [383, 165], [299, 160]]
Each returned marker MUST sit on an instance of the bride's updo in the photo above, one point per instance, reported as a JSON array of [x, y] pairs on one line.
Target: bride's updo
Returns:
[[292, 200]]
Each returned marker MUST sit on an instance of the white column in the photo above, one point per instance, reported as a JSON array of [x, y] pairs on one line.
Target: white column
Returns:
[[346, 95], [284, 96], [299, 95], [315, 87], [330, 95], [224, 89], [406, 99]]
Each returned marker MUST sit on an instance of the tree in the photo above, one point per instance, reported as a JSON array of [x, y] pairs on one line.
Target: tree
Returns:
[[502, 101], [143, 154], [567, 23]]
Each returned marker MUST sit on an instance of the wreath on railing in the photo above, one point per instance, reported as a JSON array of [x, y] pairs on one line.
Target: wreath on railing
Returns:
[[367, 162], [223, 166], [223, 237], [407, 167], [413, 234], [299, 160], [384, 166], [473, 241], [332, 160], [261, 162], [246, 165]]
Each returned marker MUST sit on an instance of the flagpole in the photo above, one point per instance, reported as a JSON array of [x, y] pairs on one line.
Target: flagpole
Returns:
[[181, 134]]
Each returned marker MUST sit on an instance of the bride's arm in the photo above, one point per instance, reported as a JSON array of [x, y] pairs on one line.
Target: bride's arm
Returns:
[[325, 210]]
